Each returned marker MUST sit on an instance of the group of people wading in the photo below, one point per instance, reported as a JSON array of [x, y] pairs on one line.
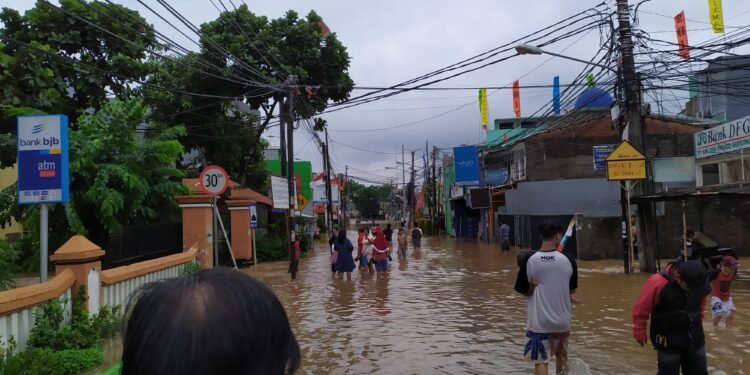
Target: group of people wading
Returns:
[[374, 246]]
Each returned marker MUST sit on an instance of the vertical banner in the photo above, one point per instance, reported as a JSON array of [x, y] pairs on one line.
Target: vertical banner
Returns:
[[516, 99], [556, 95], [590, 80], [483, 107], [682, 39], [717, 16]]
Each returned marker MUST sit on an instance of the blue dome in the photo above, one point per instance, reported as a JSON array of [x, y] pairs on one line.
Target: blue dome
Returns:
[[593, 97]]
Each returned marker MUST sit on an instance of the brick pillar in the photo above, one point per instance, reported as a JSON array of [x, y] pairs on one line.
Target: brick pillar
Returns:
[[83, 257], [242, 245], [197, 227]]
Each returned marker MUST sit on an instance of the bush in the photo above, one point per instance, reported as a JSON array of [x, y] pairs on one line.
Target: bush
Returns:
[[64, 362], [269, 249], [107, 322], [189, 268], [305, 243], [7, 266], [321, 222]]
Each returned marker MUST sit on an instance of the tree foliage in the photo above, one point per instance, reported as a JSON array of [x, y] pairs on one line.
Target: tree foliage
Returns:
[[367, 198], [243, 63], [122, 172]]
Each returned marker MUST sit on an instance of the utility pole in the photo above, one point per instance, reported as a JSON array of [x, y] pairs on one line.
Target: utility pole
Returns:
[[346, 195], [403, 186], [291, 179], [434, 213], [329, 192], [412, 190], [635, 134]]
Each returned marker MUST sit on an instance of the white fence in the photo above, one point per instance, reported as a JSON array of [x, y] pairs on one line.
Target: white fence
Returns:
[[119, 292], [19, 324]]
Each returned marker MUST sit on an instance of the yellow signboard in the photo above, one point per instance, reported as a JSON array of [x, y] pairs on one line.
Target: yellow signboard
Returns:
[[301, 202], [626, 170], [625, 151]]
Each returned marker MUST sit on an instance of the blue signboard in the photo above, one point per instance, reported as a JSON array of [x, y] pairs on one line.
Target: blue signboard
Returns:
[[498, 176], [43, 159], [600, 156], [253, 215], [466, 163]]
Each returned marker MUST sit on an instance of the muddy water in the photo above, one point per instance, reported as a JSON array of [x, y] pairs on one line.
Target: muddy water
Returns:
[[451, 309]]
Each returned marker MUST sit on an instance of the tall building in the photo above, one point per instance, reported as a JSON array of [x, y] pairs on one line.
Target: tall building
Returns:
[[720, 91]]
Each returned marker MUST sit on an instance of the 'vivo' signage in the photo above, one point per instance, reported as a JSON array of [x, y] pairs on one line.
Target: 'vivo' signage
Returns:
[[732, 136], [466, 163], [43, 159]]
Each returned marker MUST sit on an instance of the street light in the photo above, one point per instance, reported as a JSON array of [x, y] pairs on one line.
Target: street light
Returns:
[[528, 49]]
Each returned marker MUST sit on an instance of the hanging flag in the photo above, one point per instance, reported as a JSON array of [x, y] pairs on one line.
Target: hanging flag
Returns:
[[516, 99], [556, 95], [682, 39], [568, 234], [483, 107], [694, 86], [590, 80], [717, 16]]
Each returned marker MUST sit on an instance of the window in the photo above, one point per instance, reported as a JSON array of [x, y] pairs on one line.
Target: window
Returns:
[[710, 174]]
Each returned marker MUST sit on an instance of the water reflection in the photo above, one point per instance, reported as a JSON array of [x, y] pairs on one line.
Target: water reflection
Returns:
[[451, 309]]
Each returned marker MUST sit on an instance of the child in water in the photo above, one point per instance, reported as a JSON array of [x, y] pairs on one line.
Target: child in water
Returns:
[[366, 260], [402, 238], [721, 297]]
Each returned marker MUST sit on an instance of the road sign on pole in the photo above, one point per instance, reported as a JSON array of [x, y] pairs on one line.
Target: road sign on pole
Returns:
[[214, 180], [626, 163], [253, 215], [43, 170]]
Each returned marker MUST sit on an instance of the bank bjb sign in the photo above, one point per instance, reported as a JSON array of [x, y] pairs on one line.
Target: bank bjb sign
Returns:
[[729, 137], [43, 159]]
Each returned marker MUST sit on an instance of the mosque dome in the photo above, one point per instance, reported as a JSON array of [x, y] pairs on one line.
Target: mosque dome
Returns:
[[593, 97]]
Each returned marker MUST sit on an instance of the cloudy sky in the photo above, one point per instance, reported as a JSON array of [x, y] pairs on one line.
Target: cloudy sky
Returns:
[[392, 41]]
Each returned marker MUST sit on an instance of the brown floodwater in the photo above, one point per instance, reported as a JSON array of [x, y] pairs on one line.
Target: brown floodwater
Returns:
[[451, 309]]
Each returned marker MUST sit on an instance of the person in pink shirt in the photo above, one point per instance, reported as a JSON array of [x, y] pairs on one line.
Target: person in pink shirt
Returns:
[[721, 295]]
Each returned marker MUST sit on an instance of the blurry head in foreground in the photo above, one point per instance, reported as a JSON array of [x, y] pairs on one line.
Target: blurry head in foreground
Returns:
[[216, 321]]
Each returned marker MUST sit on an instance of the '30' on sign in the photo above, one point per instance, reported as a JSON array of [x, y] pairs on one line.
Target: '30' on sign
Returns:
[[214, 180]]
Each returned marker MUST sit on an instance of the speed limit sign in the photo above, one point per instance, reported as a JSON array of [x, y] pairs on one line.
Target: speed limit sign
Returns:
[[214, 180]]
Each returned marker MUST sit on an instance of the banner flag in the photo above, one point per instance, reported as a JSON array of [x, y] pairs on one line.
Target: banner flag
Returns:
[[483, 107], [556, 95], [717, 16], [682, 39], [516, 99]]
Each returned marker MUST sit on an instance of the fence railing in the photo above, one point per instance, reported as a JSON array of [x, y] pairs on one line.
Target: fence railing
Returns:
[[17, 306], [119, 283]]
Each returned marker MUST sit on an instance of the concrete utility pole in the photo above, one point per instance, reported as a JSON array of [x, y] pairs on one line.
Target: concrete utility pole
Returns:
[[412, 202], [403, 186], [329, 191], [635, 134], [433, 215], [346, 200], [291, 179]]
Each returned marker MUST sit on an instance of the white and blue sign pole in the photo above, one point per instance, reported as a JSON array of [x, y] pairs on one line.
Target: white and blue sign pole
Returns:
[[254, 224], [43, 175]]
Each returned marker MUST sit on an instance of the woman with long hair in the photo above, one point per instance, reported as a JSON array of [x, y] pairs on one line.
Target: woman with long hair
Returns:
[[344, 260], [380, 251]]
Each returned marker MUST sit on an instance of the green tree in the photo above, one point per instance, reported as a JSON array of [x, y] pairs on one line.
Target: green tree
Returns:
[[122, 172], [367, 198], [253, 57]]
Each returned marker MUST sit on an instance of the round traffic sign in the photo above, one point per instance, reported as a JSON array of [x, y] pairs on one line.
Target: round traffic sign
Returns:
[[214, 180]]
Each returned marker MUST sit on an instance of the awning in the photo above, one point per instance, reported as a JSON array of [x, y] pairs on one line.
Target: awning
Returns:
[[735, 190]]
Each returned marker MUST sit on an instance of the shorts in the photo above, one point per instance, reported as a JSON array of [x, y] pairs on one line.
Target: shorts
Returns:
[[721, 309], [363, 261], [381, 265], [505, 245], [402, 250], [417, 242], [543, 346]]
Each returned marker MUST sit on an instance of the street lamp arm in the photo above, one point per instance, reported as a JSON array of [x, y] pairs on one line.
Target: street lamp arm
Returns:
[[527, 49]]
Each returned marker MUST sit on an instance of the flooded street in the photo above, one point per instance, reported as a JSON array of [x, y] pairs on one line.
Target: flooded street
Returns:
[[451, 309]]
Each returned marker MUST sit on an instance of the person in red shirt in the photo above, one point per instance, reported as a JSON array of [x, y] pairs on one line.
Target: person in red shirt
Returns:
[[674, 301], [721, 297], [362, 234]]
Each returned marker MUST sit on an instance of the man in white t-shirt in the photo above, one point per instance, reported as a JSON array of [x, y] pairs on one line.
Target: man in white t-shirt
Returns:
[[548, 278]]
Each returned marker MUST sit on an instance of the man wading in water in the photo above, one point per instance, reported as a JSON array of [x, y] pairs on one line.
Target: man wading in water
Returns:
[[549, 279]]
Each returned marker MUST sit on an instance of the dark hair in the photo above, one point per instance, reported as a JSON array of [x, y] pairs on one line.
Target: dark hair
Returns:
[[689, 232], [549, 229], [388, 226], [360, 230], [342, 235], [416, 224], [216, 321]]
